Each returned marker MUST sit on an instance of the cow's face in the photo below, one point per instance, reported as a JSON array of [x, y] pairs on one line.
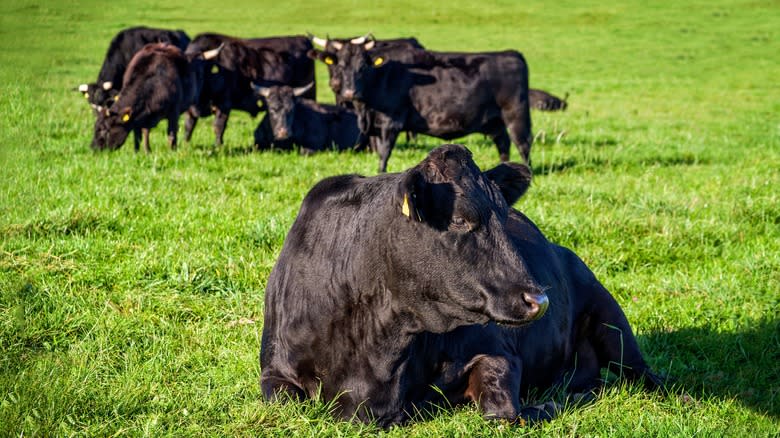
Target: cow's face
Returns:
[[111, 128], [99, 96], [351, 68], [280, 103], [452, 257]]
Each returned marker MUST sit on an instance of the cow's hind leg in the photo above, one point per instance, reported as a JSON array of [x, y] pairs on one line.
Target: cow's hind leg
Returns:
[[190, 121], [220, 124], [518, 122]]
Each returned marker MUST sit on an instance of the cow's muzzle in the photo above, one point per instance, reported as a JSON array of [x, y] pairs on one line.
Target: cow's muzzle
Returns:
[[281, 134], [537, 304]]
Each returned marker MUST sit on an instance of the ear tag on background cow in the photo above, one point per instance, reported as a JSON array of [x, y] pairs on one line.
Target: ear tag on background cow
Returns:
[[116, 98], [405, 206], [86, 95], [328, 60], [378, 61], [214, 69], [125, 118]]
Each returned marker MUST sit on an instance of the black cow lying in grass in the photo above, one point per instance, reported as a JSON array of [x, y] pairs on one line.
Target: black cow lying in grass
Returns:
[[311, 125], [545, 101], [395, 291]]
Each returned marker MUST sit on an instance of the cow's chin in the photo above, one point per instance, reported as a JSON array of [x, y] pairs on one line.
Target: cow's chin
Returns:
[[514, 324]]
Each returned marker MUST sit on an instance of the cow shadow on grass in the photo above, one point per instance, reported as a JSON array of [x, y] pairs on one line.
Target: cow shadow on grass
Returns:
[[704, 363]]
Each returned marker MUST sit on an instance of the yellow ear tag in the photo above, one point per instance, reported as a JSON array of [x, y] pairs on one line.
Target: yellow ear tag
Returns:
[[214, 69], [86, 95], [126, 117], [328, 60], [405, 207], [378, 61], [116, 98]]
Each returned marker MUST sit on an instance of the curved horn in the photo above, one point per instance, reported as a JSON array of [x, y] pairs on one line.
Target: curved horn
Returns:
[[319, 41], [262, 91], [107, 85], [83, 88], [337, 45], [362, 39], [369, 45], [299, 91], [211, 54]]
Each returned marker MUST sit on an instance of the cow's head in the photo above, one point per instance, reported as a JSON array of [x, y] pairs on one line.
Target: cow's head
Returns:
[[350, 66], [451, 257], [99, 95], [280, 103], [112, 127]]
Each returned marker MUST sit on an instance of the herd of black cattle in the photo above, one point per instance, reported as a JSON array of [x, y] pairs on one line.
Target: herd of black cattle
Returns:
[[399, 292], [382, 87]]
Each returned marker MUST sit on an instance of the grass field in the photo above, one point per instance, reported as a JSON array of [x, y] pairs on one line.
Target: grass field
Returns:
[[131, 285]]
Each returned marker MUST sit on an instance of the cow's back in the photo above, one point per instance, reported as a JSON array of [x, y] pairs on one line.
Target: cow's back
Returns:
[[128, 42]]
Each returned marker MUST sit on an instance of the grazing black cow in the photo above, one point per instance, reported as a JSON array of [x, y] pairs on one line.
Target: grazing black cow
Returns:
[[125, 44], [160, 83], [545, 101], [394, 291], [312, 126], [228, 84], [446, 95]]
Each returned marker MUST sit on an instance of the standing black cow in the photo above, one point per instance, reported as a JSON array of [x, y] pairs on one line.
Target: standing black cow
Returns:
[[125, 44], [312, 126], [446, 95], [228, 84], [401, 49], [394, 291], [545, 101], [160, 83]]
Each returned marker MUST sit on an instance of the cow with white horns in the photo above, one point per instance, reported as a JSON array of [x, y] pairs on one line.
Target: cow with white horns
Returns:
[[446, 95], [313, 126]]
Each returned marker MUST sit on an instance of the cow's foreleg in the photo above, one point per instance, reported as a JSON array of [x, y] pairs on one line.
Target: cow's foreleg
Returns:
[[173, 130], [136, 139], [145, 134], [385, 146], [501, 139], [494, 384]]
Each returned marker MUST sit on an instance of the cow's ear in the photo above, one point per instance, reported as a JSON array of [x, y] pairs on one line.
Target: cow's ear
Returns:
[[125, 114], [409, 195], [327, 58], [512, 178]]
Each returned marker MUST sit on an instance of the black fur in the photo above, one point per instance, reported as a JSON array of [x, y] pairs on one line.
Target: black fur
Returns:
[[446, 95], [393, 291]]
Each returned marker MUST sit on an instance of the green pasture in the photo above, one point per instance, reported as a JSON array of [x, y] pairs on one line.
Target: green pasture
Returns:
[[131, 285]]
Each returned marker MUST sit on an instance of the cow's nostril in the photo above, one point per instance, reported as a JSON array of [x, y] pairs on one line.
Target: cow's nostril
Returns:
[[538, 303]]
